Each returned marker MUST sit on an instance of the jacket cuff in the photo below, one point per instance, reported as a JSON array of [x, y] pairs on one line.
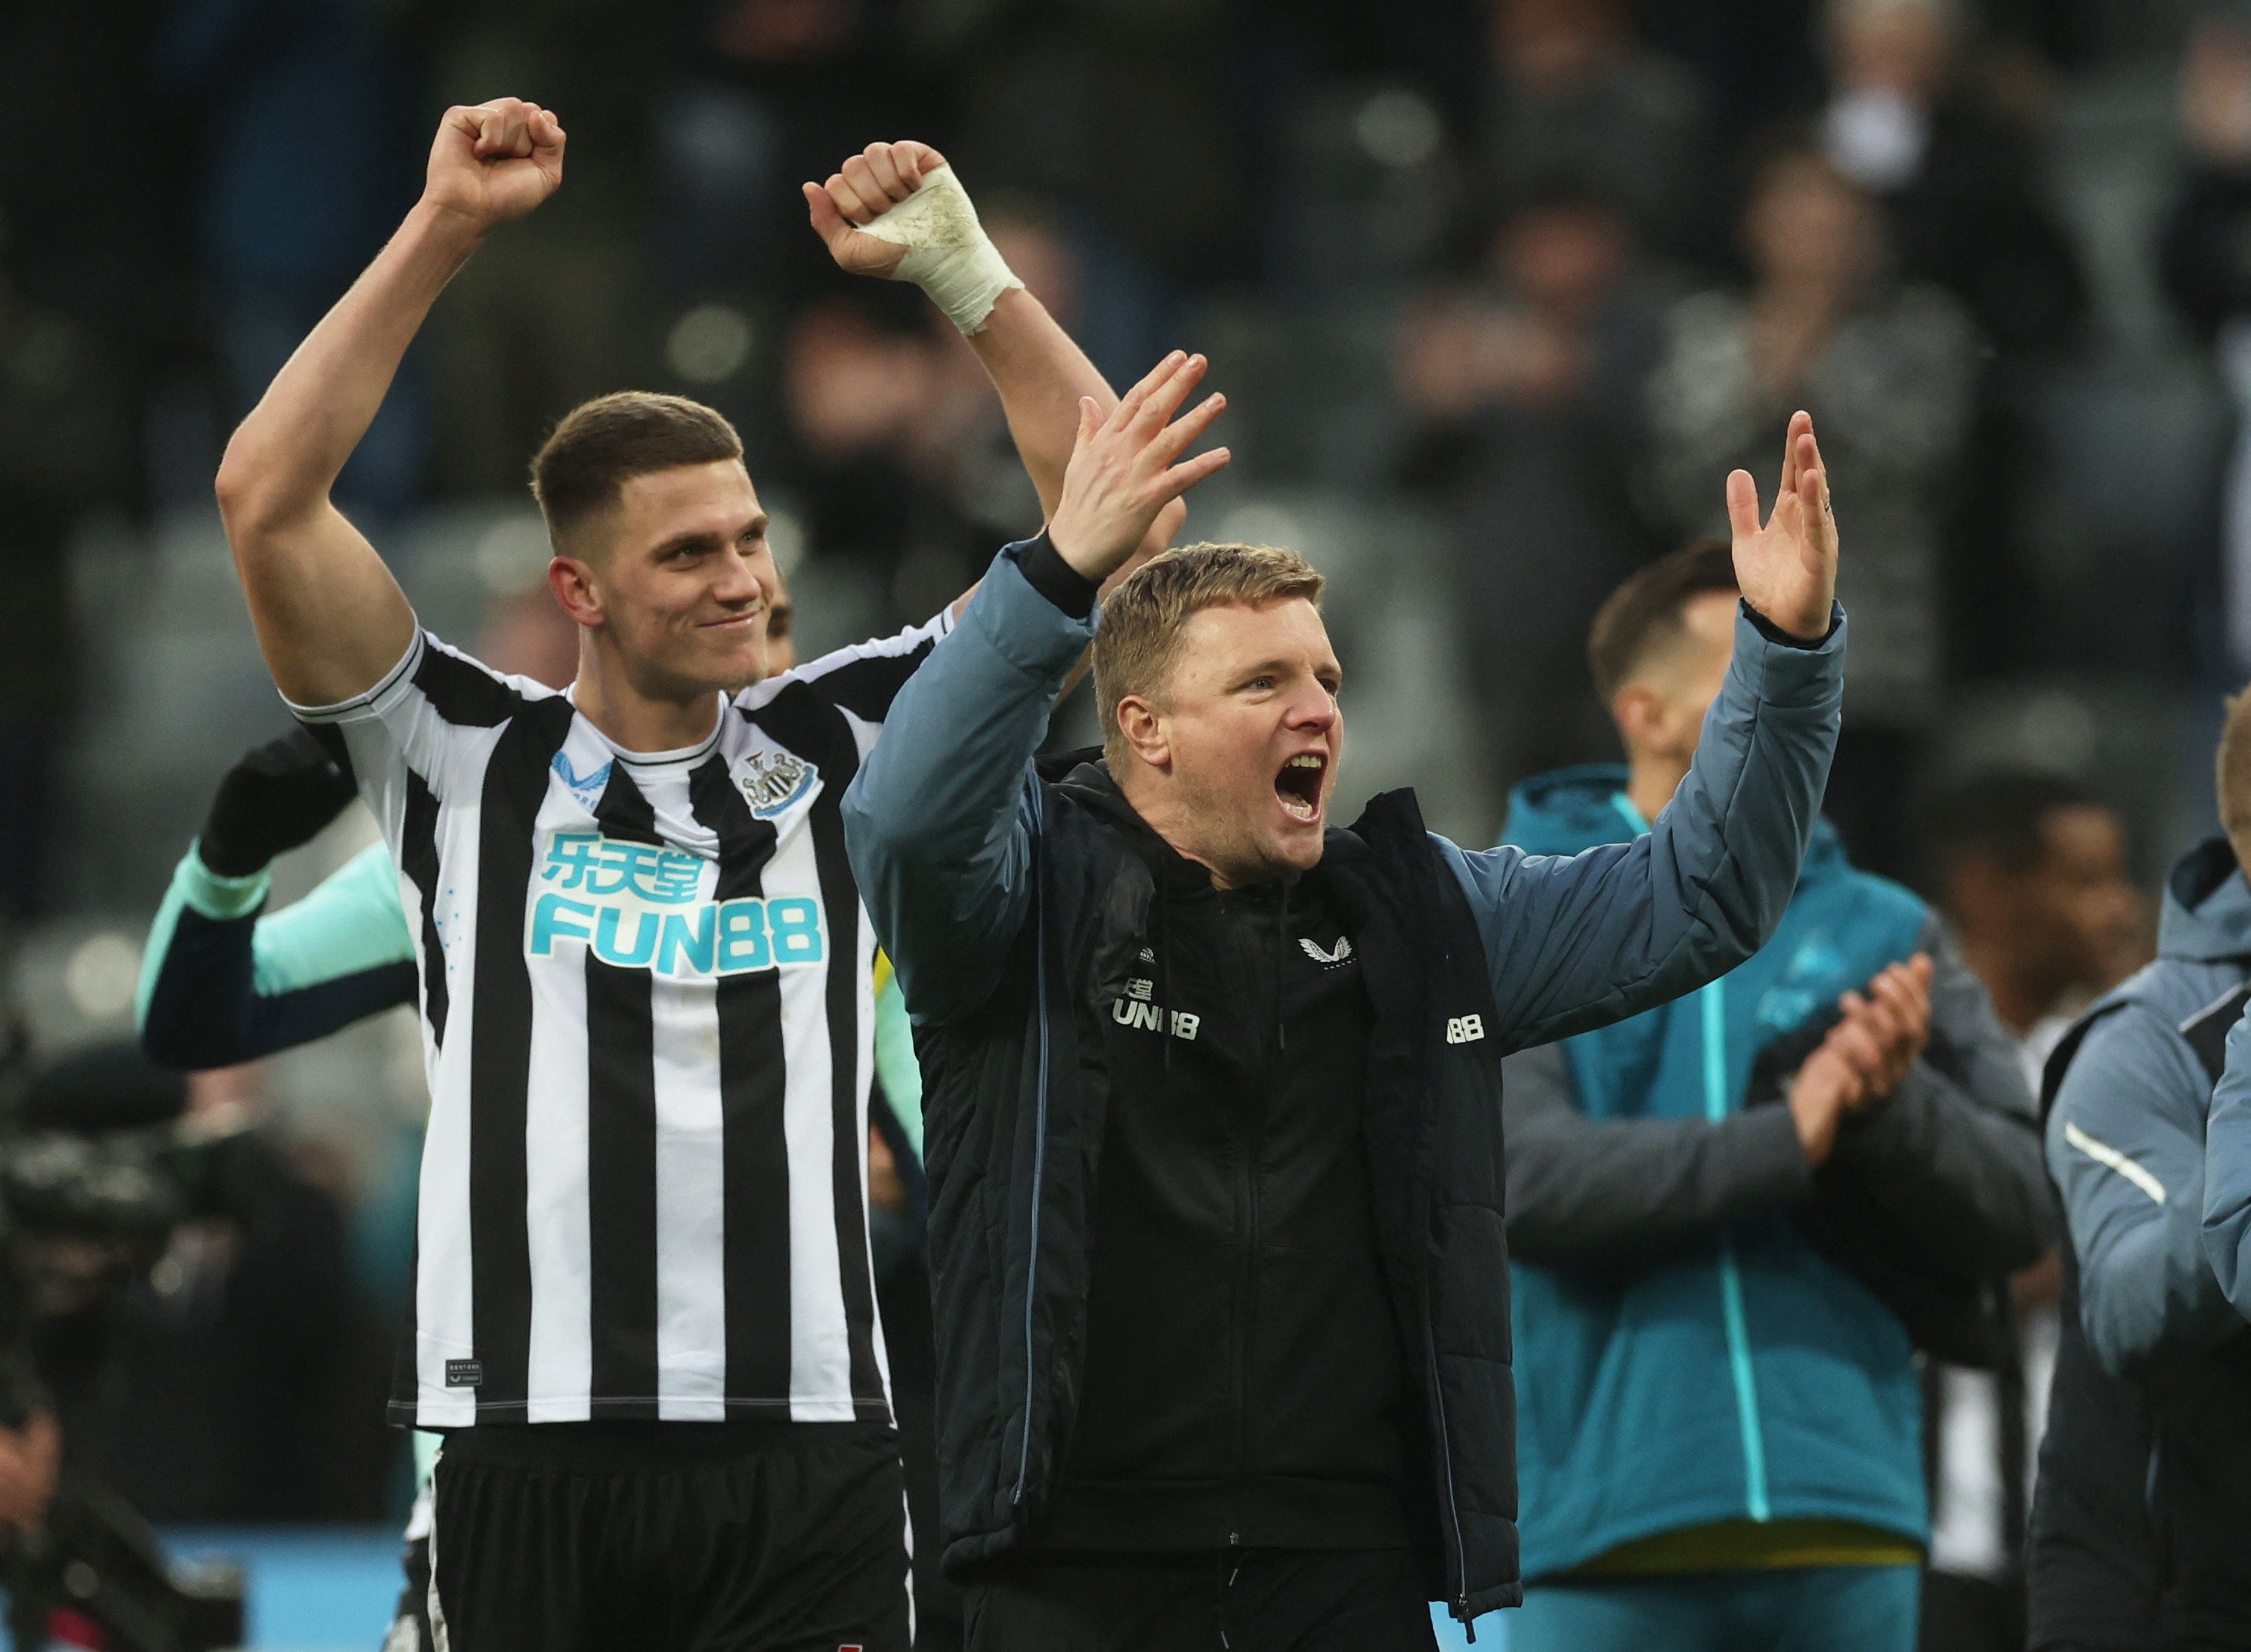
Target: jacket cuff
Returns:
[[1774, 633], [1048, 574], [1771, 1157], [1785, 670], [215, 897], [1024, 628]]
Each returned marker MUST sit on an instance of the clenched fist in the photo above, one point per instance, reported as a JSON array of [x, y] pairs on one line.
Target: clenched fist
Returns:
[[868, 185], [495, 161]]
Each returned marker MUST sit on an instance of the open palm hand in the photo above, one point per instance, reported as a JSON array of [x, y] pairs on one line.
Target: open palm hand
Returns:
[[1787, 569]]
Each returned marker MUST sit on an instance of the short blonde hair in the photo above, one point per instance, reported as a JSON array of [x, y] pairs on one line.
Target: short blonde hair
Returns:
[[1138, 637], [2232, 770]]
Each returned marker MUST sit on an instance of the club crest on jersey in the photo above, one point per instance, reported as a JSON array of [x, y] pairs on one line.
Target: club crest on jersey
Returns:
[[772, 780], [637, 907], [587, 787], [1328, 959]]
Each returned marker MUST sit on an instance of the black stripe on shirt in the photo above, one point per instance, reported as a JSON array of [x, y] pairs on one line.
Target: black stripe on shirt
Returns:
[[621, 1149], [865, 686], [500, 1054], [817, 733], [753, 1076], [418, 858], [465, 694], [405, 1376]]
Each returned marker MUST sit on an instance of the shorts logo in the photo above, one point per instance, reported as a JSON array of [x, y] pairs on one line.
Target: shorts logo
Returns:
[[1464, 1029], [587, 787], [772, 780], [636, 906], [464, 1373]]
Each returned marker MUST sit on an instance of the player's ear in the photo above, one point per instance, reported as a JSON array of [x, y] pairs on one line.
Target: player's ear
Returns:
[[1145, 731], [572, 581], [1638, 710]]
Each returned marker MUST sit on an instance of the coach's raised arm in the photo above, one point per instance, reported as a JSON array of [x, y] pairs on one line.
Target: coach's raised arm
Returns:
[[330, 619]]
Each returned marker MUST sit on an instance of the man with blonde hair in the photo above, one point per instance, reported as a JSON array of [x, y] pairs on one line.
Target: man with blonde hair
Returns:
[[1212, 1089]]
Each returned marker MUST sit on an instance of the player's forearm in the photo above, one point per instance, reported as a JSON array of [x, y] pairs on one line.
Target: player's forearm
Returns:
[[1040, 374], [286, 455]]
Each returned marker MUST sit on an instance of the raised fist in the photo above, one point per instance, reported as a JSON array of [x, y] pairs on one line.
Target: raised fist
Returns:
[[870, 185], [495, 161]]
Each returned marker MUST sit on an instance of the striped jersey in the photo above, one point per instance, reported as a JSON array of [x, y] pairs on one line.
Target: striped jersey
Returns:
[[647, 1026]]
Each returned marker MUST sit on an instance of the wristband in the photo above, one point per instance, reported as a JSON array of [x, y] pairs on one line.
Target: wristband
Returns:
[[948, 255]]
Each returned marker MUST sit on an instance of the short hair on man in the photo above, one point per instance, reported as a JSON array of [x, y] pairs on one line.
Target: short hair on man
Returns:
[[1647, 614], [1139, 636], [2000, 815], [2232, 773], [601, 445]]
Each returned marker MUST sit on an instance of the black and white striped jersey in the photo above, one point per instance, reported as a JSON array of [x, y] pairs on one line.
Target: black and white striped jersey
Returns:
[[648, 1029]]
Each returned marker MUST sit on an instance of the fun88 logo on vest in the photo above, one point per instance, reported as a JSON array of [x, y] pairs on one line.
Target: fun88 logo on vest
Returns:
[[640, 906]]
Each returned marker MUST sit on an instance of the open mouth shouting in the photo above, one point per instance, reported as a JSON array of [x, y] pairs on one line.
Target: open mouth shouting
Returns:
[[1299, 785]]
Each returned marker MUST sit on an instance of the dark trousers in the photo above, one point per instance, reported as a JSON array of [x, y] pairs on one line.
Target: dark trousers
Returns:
[[1237, 1601], [784, 1539]]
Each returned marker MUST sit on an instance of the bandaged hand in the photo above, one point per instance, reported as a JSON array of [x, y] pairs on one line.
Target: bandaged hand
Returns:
[[898, 211]]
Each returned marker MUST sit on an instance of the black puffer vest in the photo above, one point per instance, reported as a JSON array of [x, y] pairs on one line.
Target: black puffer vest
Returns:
[[1015, 1095]]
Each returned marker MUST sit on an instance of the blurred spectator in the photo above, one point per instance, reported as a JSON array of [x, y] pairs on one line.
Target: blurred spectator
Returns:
[[1574, 90], [63, 445], [1908, 121], [556, 311], [1889, 374], [2207, 272], [223, 1386], [286, 225], [1528, 381], [2032, 870]]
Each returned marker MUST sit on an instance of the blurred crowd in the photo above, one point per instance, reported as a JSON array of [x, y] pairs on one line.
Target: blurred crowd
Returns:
[[1538, 272]]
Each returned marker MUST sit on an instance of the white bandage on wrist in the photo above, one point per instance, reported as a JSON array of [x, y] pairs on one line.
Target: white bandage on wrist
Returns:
[[949, 255]]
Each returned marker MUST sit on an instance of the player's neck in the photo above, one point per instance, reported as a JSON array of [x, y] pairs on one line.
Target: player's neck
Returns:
[[607, 696], [1651, 782]]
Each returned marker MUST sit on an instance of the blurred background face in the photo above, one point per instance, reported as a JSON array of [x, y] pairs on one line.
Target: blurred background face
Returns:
[[1905, 47], [683, 584], [2073, 914], [1809, 226], [1251, 734], [1562, 258]]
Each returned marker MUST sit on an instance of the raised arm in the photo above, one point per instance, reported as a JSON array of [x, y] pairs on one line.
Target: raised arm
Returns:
[[1576, 942], [221, 984], [939, 820], [898, 211], [330, 619]]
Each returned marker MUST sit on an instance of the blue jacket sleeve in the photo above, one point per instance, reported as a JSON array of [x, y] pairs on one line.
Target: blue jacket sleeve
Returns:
[[220, 984], [938, 820], [2226, 1214], [1577, 941], [2125, 1145]]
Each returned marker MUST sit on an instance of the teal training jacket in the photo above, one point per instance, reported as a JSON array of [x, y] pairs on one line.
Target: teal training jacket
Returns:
[[1751, 1377]]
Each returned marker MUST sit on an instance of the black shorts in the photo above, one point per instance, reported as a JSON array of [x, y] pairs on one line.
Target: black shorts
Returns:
[[1238, 1601], [670, 1536]]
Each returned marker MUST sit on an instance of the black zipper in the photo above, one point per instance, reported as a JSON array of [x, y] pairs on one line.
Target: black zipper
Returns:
[[1039, 1131]]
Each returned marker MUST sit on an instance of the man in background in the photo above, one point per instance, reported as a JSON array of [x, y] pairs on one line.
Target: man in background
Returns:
[[2033, 870], [1721, 1436]]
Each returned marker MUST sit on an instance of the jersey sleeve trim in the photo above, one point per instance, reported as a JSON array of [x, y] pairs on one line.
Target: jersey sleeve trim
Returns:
[[375, 701], [860, 676], [215, 897]]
